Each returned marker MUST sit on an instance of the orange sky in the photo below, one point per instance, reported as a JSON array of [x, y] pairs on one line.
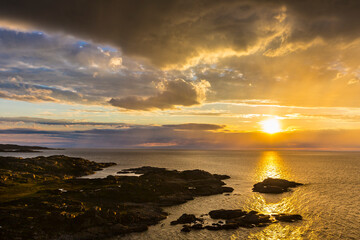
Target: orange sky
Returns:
[[180, 74]]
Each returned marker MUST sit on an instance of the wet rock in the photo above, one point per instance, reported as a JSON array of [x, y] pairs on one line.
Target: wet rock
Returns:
[[185, 218], [274, 185], [238, 218], [213, 227], [226, 214], [186, 228], [287, 217], [197, 226], [256, 218], [227, 189], [227, 226]]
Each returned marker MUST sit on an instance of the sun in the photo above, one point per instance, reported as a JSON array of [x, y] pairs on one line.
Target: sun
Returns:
[[271, 126]]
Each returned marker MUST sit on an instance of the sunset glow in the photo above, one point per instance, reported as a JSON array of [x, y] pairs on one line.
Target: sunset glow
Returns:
[[181, 75], [111, 110], [271, 126]]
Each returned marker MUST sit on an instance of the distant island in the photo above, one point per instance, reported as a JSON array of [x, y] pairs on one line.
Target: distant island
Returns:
[[18, 148]]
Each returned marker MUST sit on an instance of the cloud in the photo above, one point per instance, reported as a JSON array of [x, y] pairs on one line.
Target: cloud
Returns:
[[63, 122], [35, 66], [157, 29], [294, 53], [172, 93], [194, 126], [38, 93], [163, 137]]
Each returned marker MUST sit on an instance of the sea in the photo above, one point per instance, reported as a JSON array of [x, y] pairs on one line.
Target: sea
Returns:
[[329, 200]]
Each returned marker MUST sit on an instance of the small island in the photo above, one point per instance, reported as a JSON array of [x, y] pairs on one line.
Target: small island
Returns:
[[18, 148], [275, 186], [40, 193]]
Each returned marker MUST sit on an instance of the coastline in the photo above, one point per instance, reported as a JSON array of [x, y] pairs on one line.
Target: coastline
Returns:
[[99, 208]]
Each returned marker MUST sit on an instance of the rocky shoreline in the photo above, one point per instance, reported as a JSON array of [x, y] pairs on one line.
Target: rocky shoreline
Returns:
[[233, 219], [40, 193]]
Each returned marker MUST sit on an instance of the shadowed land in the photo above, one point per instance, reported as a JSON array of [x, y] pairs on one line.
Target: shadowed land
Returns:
[[18, 148], [40, 193]]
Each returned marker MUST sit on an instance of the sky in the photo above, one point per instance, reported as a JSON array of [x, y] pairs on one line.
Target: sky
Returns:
[[188, 74]]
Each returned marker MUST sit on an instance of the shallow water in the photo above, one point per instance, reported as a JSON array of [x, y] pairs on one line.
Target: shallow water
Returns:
[[329, 201]]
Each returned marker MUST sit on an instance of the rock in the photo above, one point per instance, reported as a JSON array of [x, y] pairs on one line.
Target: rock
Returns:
[[213, 227], [226, 214], [256, 218], [185, 218], [221, 177], [197, 226], [287, 217], [273, 185], [92, 208], [186, 228], [227, 189], [227, 226], [238, 218]]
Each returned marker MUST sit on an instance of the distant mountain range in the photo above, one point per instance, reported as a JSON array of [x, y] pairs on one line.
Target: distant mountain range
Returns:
[[18, 148]]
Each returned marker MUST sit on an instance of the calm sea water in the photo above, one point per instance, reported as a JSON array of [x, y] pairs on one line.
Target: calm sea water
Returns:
[[329, 201]]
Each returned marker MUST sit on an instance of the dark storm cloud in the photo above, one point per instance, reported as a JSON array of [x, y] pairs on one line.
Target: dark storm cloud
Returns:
[[168, 32], [172, 32], [174, 93], [325, 18]]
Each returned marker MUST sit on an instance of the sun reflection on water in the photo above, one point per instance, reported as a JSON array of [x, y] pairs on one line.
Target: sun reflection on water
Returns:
[[271, 165]]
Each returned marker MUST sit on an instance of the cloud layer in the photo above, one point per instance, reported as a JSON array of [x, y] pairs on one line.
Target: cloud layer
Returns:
[[169, 32], [184, 73], [172, 93], [196, 138]]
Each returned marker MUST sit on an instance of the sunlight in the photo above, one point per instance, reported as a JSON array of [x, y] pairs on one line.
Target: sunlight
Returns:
[[271, 126], [270, 166]]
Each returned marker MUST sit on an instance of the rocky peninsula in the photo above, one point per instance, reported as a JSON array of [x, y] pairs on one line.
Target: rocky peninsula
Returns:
[[18, 148], [42, 198]]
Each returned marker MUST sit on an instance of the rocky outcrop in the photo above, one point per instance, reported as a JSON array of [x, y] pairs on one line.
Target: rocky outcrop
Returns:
[[183, 185], [238, 218], [186, 218], [57, 166], [43, 192], [287, 217], [226, 214], [274, 185]]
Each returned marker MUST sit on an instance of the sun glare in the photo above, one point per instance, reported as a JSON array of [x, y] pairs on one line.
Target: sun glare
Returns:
[[271, 126]]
